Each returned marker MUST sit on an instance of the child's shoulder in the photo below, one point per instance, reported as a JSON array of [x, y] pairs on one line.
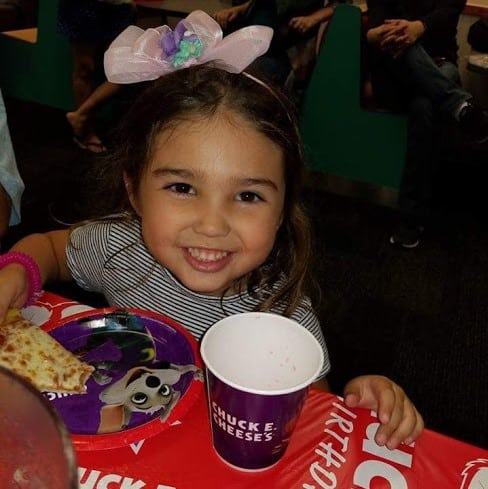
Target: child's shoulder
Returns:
[[114, 225], [304, 310]]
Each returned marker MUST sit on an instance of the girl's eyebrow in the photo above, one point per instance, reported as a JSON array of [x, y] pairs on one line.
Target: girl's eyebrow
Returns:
[[179, 172], [184, 173], [259, 181]]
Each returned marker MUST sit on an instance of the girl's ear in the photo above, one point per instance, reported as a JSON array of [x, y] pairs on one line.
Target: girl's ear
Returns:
[[280, 222], [129, 188]]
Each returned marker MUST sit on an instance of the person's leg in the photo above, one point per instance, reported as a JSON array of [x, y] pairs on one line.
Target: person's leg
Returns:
[[84, 59], [416, 72], [106, 21], [439, 82], [421, 163], [80, 119], [415, 188], [390, 91]]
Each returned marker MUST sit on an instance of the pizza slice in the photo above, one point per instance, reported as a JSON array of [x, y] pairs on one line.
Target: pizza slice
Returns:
[[36, 356]]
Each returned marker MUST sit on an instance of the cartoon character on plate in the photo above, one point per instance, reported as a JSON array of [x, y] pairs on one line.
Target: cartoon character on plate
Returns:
[[142, 390], [124, 354]]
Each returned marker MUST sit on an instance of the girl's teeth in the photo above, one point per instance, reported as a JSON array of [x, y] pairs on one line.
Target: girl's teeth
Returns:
[[206, 255]]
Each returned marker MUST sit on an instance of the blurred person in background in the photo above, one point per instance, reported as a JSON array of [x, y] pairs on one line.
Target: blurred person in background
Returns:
[[11, 184], [90, 26], [413, 56]]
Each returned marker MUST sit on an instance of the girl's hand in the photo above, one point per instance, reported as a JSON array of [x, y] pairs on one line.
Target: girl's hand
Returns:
[[399, 420], [14, 287], [48, 251]]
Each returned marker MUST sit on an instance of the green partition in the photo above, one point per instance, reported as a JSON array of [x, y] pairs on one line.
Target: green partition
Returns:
[[341, 137], [41, 71]]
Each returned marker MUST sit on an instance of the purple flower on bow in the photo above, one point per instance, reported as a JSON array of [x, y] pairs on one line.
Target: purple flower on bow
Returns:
[[180, 45]]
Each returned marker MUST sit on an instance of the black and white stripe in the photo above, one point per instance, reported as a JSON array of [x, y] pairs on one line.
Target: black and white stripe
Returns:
[[110, 257]]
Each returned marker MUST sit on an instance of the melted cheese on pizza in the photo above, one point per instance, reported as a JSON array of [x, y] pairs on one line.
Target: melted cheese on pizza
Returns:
[[39, 358]]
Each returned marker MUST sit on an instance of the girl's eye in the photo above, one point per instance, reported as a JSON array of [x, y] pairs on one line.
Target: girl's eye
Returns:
[[249, 197], [181, 188]]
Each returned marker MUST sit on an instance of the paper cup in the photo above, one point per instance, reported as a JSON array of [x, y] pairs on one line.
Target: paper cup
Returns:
[[35, 446], [259, 367]]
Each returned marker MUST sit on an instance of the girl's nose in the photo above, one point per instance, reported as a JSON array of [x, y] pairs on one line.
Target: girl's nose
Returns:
[[212, 220]]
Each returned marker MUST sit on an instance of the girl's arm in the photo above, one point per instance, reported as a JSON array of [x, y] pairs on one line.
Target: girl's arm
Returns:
[[322, 384], [49, 252]]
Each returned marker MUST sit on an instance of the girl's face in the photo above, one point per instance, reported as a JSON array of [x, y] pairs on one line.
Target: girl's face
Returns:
[[211, 201]]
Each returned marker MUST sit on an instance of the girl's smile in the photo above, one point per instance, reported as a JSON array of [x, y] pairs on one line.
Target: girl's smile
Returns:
[[205, 260], [211, 201]]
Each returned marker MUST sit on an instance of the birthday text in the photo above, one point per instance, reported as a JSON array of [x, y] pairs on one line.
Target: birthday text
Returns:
[[373, 461]]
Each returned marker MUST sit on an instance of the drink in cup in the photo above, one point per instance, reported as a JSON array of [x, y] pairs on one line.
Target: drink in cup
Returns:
[[35, 449], [259, 367]]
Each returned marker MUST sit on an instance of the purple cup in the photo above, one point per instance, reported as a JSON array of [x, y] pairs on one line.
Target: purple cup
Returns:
[[259, 367]]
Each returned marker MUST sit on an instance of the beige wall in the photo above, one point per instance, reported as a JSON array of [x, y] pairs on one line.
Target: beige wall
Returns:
[[475, 83], [478, 3]]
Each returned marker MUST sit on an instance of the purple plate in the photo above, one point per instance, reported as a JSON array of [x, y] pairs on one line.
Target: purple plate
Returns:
[[148, 373]]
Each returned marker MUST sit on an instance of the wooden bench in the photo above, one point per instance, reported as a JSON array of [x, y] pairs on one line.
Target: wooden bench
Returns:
[[341, 137], [36, 63]]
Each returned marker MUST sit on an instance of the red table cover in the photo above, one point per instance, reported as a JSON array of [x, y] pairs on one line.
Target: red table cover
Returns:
[[331, 448]]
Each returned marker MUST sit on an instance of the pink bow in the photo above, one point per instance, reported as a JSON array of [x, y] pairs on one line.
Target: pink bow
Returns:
[[141, 55]]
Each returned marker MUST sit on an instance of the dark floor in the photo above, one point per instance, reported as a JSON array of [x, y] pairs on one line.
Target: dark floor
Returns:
[[420, 316]]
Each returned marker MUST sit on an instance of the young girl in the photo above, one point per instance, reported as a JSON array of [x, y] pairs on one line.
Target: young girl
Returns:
[[205, 221]]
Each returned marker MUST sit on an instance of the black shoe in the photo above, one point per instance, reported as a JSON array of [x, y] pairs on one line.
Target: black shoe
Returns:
[[473, 121], [407, 236]]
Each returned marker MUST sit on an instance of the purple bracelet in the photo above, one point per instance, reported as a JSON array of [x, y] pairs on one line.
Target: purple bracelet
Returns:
[[32, 269]]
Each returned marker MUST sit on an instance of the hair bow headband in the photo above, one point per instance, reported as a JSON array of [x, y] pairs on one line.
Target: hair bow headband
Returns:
[[141, 55]]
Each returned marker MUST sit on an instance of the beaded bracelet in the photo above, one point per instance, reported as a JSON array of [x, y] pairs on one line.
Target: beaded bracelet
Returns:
[[32, 269]]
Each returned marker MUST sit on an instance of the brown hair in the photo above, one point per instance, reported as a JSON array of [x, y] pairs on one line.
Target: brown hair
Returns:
[[197, 93]]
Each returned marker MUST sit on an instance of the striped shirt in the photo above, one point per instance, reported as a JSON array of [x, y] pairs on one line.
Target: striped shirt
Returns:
[[110, 257]]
